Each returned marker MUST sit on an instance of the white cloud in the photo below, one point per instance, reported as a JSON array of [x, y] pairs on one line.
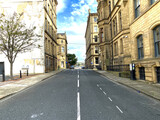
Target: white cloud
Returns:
[[82, 1], [61, 6], [75, 26]]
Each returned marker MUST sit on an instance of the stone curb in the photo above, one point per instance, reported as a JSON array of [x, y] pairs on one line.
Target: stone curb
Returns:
[[29, 86], [136, 89]]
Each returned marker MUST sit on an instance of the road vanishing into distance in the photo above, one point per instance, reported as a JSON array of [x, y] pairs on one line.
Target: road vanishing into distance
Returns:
[[79, 95]]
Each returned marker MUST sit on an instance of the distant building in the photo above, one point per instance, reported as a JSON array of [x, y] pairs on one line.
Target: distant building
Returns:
[[92, 42], [113, 26], [41, 14], [62, 51]]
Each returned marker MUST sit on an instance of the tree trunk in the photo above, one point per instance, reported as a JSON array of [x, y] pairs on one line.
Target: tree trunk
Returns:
[[11, 70]]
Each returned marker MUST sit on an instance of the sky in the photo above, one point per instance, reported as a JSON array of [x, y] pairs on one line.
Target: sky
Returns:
[[72, 19]]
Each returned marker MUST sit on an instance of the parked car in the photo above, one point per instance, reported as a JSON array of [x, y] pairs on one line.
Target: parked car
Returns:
[[83, 67], [72, 67]]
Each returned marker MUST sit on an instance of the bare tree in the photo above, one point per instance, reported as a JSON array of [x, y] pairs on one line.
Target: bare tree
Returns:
[[15, 37]]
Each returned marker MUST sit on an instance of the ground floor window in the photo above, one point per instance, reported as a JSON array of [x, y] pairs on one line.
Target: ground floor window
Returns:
[[62, 64], [158, 74], [97, 60], [156, 32], [142, 73]]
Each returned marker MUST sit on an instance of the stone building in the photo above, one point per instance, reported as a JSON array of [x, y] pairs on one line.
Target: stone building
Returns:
[[92, 42], [114, 33], [144, 23], [130, 33], [62, 51], [50, 35], [42, 15]]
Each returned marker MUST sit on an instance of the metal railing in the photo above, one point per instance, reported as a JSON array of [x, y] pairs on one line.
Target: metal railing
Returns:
[[118, 68]]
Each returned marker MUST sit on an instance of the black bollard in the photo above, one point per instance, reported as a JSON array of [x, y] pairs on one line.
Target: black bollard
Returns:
[[3, 77], [20, 74], [27, 72]]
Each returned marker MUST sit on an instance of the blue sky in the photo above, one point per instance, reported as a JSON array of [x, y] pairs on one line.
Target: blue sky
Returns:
[[72, 19]]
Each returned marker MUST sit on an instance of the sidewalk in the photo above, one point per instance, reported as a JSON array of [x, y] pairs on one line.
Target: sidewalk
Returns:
[[150, 89], [11, 87]]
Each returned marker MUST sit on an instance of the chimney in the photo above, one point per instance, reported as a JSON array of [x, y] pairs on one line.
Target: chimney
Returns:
[[89, 10]]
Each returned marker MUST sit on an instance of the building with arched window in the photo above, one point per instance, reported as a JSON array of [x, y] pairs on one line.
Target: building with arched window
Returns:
[[129, 31], [145, 38]]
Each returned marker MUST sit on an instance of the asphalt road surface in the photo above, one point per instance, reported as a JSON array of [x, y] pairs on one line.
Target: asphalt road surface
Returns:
[[79, 95]]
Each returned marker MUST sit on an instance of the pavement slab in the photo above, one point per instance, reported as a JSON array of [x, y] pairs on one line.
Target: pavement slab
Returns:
[[11, 87]]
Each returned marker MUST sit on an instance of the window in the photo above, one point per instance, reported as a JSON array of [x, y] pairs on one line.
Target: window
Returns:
[[46, 43], [115, 26], [46, 5], [46, 61], [95, 19], [96, 49], [48, 27], [52, 33], [97, 60], [101, 15], [116, 48], [120, 21], [52, 49], [62, 49], [101, 33], [140, 47], [50, 30], [121, 44], [48, 47], [45, 24], [142, 73], [111, 29], [157, 40], [48, 8], [137, 8], [59, 49], [62, 64], [109, 7], [96, 38], [152, 1], [61, 41], [113, 3], [95, 28]]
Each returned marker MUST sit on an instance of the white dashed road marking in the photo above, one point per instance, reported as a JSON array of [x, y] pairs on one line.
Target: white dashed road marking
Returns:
[[119, 109], [104, 93], [100, 88], [110, 99], [78, 100]]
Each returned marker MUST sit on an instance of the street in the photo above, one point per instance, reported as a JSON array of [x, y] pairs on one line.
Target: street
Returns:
[[79, 95]]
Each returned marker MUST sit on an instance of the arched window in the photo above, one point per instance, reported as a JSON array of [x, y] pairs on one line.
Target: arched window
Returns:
[[152, 1], [95, 29], [62, 49], [137, 8], [156, 32], [140, 47], [109, 7]]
